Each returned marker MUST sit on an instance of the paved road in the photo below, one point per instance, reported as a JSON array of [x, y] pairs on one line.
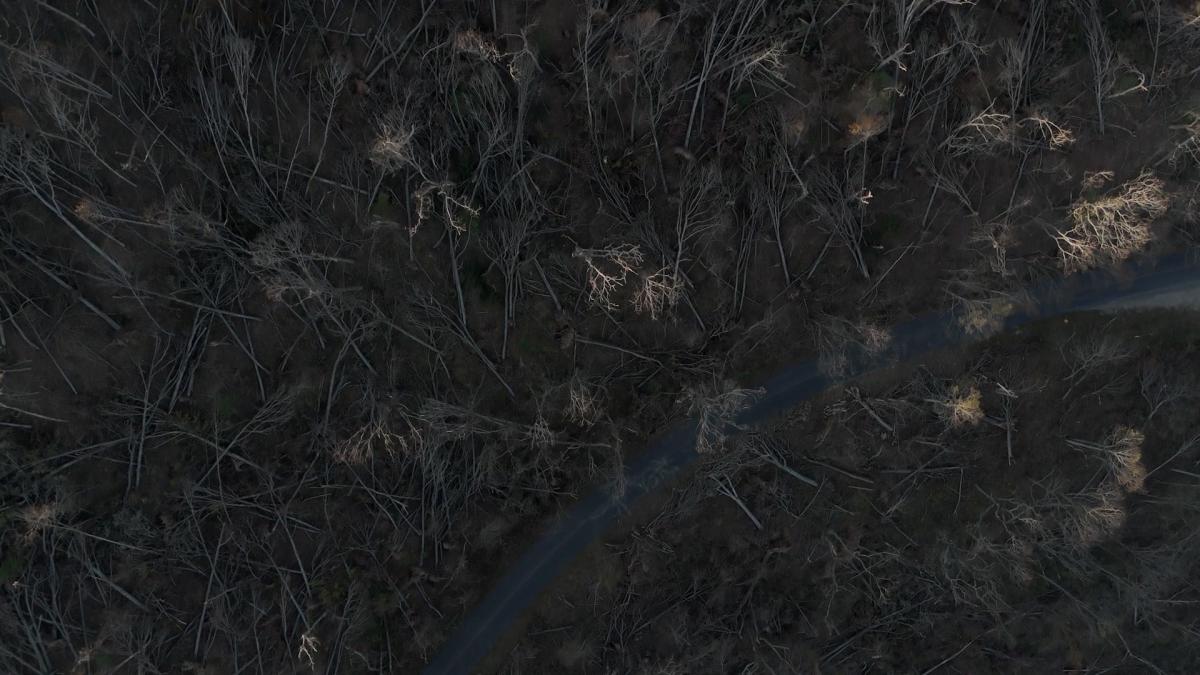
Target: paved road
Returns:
[[1169, 282]]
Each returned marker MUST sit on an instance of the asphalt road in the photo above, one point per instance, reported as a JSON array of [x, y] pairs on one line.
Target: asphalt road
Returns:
[[1171, 281]]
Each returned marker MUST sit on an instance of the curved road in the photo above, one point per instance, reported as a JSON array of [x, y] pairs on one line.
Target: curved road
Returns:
[[1173, 281]]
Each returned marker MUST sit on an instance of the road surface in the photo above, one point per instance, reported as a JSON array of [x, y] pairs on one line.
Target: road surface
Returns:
[[1170, 282]]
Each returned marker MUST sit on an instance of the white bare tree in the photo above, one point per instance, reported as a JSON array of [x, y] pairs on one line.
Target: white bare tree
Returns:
[[1111, 228]]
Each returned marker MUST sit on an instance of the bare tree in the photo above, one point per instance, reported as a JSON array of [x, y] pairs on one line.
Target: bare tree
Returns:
[[904, 17], [26, 164], [585, 401], [983, 132], [505, 243], [716, 415], [776, 191], [1024, 58], [840, 342], [736, 43], [1111, 228], [66, 101], [839, 204], [1162, 387], [1121, 454], [607, 269], [331, 80], [1107, 66]]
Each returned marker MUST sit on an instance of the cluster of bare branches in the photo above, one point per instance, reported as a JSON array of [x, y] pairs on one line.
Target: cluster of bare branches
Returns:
[[379, 437], [585, 402], [1111, 228], [1188, 148], [607, 270], [1162, 388], [1121, 454], [957, 405], [716, 415], [842, 343], [699, 210], [989, 131], [988, 291]]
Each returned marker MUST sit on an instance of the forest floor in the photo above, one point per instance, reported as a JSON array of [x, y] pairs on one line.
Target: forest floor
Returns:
[[314, 314]]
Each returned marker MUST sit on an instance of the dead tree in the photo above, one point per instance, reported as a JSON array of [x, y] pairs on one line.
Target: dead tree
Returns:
[[1113, 227], [839, 204], [1107, 66], [904, 16], [26, 164], [1023, 57], [777, 193], [737, 44], [607, 270], [443, 318], [505, 243]]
